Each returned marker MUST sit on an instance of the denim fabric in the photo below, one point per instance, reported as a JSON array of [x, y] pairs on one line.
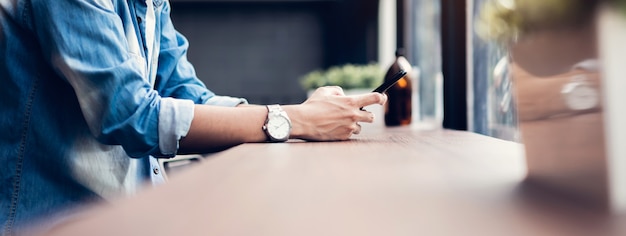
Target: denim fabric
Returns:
[[85, 88]]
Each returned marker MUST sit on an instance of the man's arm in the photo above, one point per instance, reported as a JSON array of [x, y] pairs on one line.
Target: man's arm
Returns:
[[541, 98], [121, 108], [87, 44], [326, 116]]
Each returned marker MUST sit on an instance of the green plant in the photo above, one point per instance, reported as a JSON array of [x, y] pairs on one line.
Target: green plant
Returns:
[[348, 76], [507, 20], [621, 4]]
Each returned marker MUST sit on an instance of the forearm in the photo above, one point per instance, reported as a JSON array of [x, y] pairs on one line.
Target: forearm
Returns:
[[215, 127], [540, 98], [328, 115]]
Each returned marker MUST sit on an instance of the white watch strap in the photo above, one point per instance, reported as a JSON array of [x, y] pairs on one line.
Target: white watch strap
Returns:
[[275, 108]]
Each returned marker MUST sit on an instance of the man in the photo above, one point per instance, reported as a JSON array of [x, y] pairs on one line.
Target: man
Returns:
[[93, 91]]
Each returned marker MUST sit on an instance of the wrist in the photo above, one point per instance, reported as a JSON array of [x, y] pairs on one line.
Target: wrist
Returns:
[[298, 129]]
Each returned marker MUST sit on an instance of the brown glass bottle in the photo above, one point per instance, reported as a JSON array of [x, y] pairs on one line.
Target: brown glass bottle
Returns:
[[398, 109]]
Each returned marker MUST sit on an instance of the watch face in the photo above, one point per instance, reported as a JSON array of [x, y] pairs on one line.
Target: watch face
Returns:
[[278, 127], [582, 97]]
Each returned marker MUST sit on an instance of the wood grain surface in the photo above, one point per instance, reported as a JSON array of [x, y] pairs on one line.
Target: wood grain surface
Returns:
[[385, 181]]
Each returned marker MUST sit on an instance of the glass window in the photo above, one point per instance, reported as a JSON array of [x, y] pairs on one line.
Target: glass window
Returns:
[[492, 111], [424, 51], [491, 104]]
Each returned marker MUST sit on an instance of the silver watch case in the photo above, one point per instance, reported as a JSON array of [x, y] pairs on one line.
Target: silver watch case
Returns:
[[277, 126], [580, 95]]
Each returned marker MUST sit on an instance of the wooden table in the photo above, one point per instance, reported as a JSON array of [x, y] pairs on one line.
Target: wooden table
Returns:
[[386, 181]]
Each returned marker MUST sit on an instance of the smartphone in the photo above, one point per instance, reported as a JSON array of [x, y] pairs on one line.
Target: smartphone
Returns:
[[387, 84]]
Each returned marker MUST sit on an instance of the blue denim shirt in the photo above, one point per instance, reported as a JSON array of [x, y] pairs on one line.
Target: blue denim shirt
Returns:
[[91, 91]]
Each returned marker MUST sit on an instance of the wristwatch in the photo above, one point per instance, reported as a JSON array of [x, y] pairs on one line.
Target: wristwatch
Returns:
[[579, 94], [277, 126]]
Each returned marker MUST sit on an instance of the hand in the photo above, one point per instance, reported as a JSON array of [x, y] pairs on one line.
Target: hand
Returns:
[[331, 115]]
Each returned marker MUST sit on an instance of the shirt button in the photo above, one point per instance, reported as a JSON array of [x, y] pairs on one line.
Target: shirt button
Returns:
[[139, 20], [155, 171]]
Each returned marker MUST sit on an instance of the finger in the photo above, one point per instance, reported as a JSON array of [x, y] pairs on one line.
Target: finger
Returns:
[[365, 116], [362, 100], [356, 129], [384, 99]]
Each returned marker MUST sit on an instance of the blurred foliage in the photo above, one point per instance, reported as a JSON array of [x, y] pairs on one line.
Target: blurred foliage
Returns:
[[348, 76], [507, 20], [621, 4]]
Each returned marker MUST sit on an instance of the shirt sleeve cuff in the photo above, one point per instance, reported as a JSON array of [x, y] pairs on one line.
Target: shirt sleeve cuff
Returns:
[[226, 101], [175, 117]]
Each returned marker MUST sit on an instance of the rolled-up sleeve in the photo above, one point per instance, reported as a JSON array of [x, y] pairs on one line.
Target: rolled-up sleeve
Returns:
[[226, 101], [88, 47], [174, 121]]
